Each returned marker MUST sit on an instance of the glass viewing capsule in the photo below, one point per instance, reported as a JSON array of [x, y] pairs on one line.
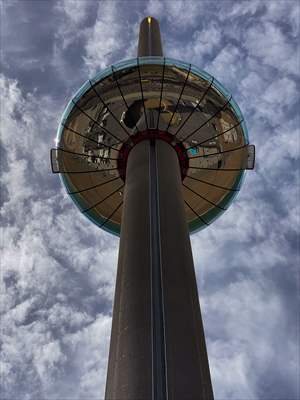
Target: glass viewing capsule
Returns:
[[152, 97]]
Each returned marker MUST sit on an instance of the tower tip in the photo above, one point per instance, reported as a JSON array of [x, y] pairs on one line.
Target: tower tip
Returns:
[[149, 38]]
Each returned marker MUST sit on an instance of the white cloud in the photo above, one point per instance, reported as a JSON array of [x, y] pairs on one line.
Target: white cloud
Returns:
[[65, 315], [241, 9], [180, 14], [50, 291], [201, 43], [281, 92], [155, 8], [253, 85], [236, 374], [90, 349], [267, 42], [288, 12], [205, 40], [106, 37], [24, 119], [48, 359], [73, 14], [75, 10], [227, 65], [245, 341]]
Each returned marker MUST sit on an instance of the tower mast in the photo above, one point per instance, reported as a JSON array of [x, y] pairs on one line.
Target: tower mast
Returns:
[[157, 348]]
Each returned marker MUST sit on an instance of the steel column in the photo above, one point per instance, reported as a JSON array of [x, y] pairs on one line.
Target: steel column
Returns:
[[157, 349]]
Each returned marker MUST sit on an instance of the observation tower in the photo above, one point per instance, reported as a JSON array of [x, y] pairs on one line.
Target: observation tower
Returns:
[[153, 149]]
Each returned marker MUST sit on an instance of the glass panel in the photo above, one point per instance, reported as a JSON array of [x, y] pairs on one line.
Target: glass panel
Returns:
[[151, 85], [101, 75], [236, 109], [125, 64], [251, 156], [221, 88], [178, 64], [128, 96], [54, 161], [151, 60], [59, 132], [174, 81], [67, 111], [245, 131], [85, 87], [201, 73], [191, 105]]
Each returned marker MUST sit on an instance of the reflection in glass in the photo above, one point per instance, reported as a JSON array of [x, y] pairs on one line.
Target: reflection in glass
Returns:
[[142, 95]]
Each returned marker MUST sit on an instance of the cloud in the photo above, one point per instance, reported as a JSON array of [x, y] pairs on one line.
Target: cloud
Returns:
[[268, 43], [226, 66], [50, 290], [277, 11], [104, 41], [238, 352], [241, 9], [155, 8], [281, 93], [75, 11], [183, 14]]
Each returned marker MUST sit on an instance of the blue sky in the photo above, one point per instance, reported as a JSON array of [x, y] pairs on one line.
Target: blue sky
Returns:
[[58, 269]]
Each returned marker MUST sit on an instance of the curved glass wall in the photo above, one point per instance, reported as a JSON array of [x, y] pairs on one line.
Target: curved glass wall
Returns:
[[151, 93]]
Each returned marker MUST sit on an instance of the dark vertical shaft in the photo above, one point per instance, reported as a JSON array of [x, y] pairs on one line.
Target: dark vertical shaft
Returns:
[[133, 372], [150, 45], [188, 375], [130, 358], [157, 349]]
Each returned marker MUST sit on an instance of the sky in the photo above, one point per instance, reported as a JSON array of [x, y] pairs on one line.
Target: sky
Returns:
[[58, 269]]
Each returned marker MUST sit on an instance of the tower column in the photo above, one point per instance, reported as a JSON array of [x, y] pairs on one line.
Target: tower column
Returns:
[[187, 367], [130, 358], [157, 349]]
